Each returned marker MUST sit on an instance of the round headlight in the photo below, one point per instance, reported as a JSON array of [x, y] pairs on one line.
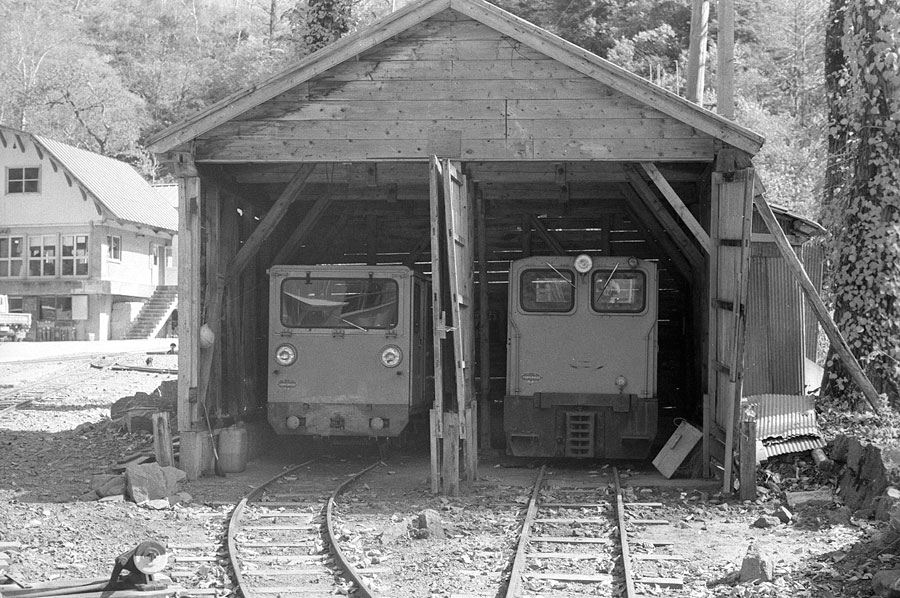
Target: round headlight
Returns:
[[285, 355], [391, 356], [621, 382], [632, 262], [583, 263]]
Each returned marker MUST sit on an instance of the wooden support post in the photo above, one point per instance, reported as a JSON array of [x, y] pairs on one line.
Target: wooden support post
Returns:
[[265, 228], [725, 70], [162, 439], [696, 68], [484, 338], [438, 326], [450, 469], [188, 310], [748, 458], [548, 237], [301, 232], [831, 330], [212, 316], [639, 190]]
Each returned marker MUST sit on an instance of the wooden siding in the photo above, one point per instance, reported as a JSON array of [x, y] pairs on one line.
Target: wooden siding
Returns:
[[455, 87]]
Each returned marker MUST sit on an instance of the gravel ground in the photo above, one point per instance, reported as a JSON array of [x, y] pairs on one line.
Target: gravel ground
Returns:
[[50, 449]]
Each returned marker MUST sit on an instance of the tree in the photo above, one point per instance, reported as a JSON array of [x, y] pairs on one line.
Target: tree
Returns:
[[865, 210]]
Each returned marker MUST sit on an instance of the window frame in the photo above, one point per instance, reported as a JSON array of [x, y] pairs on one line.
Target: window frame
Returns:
[[550, 272], [75, 259], [113, 247], [343, 323], [42, 258], [616, 273], [9, 259], [23, 181]]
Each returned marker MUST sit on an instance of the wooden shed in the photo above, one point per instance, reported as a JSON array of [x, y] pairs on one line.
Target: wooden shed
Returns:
[[555, 151]]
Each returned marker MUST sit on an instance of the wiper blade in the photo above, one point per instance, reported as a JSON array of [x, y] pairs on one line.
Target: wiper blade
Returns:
[[354, 324], [561, 275]]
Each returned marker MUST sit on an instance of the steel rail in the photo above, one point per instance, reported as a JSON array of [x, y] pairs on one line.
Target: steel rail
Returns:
[[352, 573], [623, 538], [514, 588], [342, 560]]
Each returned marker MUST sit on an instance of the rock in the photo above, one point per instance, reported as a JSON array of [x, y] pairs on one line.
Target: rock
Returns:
[[180, 498], [149, 481], [135, 411], [757, 565], [429, 523], [810, 498], [766, 521], [113, 486], [887, 583], [784, 515], [113, 498], [840, 516], [157, 504]]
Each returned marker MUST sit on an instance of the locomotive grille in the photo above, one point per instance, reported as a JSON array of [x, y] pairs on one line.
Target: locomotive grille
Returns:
[[579, 434]]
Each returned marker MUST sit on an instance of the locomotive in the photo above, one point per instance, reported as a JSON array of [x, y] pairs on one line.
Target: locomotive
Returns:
[[351, 354], [349, 350], [581, 362]]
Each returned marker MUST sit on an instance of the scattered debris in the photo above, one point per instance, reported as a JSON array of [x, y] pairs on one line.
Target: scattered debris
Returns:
[[428, 525], [886, 583]]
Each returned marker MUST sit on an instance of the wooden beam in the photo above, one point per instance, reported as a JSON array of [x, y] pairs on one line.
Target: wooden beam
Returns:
[[438, 322], [548, 237], [212, 209], [831, 330], [484, 325], [300, 233], [290, 194], [671, 250], [640, 190], [682, 210]]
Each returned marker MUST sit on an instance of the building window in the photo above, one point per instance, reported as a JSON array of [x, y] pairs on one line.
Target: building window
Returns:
[[12, 251], [114, 248], [74, 255], [23, 180], [169, 259], [55, 308], [15, 305], [42, 255]]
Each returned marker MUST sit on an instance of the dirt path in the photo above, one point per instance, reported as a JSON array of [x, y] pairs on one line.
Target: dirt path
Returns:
[[49, 451]]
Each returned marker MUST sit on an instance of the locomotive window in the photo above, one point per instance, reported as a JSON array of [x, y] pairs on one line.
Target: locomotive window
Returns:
[[622, 291], [361, 303], [547, 290]]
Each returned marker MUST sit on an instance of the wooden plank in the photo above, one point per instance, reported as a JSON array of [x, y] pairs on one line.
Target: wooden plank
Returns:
[[831, 330], [484, 328], [657, 557], [607, 578], [548, 237], [314, 150], [682, 210], [450, 465], [575, 556], [334, 54], [747, 451], [569, 540], [470, 70], [589, 64], [663, 582], [213, 294], [162, 439], [273, 217], [450, 49], [623, 536]]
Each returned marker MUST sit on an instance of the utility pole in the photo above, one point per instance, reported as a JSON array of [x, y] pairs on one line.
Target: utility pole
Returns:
[[696, 67]]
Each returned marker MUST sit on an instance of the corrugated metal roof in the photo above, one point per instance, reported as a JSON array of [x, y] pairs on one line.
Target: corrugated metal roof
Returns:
[[786, 423], [116, 185]]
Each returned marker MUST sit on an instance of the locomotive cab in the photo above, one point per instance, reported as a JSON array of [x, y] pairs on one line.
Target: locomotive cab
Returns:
[[349, 350], [581, 363]]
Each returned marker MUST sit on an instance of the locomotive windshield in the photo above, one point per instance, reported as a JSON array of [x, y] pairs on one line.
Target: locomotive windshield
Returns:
[[547, 290], [362, 303], [619, 291]]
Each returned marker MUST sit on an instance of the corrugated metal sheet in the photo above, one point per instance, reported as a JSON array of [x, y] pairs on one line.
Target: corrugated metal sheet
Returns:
[[116, 185], [785, 319], [786, 423]]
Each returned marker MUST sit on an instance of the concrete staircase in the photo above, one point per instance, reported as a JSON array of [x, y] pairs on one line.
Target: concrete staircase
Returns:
[[154, 314]]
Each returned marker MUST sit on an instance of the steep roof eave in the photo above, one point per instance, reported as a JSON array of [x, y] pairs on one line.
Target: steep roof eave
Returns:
[[554, 46]]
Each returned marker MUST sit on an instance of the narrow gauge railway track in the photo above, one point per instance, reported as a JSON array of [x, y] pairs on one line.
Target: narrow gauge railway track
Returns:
[[281, 541], [48, 386], [575, 542]]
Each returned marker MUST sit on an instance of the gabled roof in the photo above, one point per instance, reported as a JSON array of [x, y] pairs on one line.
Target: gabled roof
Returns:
[[120, 191], [505, 23]]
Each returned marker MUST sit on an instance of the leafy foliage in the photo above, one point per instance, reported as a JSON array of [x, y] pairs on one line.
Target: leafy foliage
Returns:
[[864, 212]]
